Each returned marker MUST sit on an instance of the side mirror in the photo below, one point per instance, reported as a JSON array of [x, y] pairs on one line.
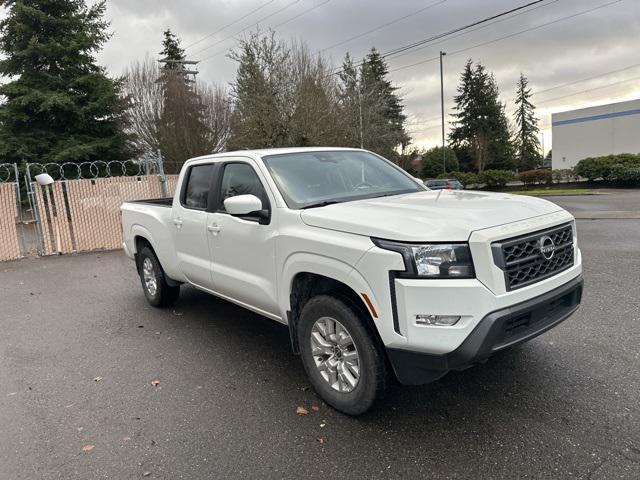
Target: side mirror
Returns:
[[242, 204]]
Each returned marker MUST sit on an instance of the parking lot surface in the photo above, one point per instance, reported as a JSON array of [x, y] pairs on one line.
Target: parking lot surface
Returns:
[[81, 355]]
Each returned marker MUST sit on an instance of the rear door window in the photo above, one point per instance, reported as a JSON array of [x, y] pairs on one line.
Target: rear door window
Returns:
[[196, 192]]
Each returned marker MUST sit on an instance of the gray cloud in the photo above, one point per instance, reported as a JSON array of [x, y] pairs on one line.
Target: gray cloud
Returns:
[[569, 50]]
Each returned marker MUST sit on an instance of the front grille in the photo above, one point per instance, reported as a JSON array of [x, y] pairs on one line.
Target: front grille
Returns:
[[533, 257]]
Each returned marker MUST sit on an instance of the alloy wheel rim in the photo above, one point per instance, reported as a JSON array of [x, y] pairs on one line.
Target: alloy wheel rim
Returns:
[[335, 354], [149, 276]]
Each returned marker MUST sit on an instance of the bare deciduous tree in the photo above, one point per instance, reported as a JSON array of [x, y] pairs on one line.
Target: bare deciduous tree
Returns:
[[181, 120]]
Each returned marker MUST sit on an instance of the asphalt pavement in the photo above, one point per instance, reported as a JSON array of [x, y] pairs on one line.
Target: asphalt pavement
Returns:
[[81, 355]]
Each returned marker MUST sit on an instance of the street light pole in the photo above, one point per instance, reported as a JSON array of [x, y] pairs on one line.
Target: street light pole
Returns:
[[444, 164]]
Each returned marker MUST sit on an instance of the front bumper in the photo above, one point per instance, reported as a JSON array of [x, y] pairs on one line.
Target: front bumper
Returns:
[[496, 331]]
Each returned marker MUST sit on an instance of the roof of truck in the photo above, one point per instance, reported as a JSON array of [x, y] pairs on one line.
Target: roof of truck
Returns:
[[263, 152]]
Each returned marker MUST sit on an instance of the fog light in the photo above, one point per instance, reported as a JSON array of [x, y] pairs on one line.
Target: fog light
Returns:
[[443, 320]]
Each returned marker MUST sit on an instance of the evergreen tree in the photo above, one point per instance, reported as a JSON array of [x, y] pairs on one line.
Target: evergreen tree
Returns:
[[350, 97], [383, 111], [526, 139], [171, 49], [480, 134], [182, 129], [432, 162], [59, 105], [259, 93]]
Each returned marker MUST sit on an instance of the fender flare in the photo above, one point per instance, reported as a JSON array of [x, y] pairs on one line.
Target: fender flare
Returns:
[[303, 262], [330, 267]]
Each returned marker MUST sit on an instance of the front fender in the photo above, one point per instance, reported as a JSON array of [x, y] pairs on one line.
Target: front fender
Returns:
[[333, 268]]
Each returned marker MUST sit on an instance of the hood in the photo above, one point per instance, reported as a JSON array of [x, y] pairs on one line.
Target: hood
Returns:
[[435, 216]]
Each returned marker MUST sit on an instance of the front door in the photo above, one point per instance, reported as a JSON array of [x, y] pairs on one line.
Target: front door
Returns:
[[243, 248], [189, 219]]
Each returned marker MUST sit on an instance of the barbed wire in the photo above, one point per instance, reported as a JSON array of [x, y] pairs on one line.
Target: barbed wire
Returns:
[[7, 172], [97, 169]]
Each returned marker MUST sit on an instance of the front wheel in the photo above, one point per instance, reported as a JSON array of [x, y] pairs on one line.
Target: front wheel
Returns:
[[154, 281], [341, 354]]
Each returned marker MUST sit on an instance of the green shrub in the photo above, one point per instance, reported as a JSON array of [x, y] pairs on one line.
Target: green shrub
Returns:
[[541, 175], [609, 168], [432, 162], [465, 178], [624, 173], [496, 178]]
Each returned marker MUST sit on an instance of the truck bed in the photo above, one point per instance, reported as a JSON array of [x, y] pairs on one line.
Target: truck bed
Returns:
[[160, 202]]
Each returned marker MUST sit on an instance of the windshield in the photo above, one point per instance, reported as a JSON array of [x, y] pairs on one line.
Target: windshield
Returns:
[[313, 179]]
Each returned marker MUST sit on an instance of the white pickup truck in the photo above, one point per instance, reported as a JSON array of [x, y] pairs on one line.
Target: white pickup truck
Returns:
[[377, 277]]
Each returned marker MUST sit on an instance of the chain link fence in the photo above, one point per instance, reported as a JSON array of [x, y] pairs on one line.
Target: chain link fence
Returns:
[[79, 211], [10, 213]]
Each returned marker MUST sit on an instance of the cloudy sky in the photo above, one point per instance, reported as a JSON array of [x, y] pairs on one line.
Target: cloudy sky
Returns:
[[590, 44]]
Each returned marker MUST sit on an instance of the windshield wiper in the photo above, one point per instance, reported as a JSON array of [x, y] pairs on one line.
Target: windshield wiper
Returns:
[[320, 204]]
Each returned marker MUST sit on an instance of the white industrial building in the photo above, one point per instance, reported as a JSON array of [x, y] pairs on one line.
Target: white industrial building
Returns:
[[595, 131]]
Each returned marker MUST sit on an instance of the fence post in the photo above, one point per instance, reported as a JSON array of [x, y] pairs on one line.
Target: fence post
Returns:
[[162, 176], [34, 208], [23, 238]]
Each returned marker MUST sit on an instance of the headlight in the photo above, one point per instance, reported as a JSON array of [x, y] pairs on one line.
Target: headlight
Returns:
[[436, 260]]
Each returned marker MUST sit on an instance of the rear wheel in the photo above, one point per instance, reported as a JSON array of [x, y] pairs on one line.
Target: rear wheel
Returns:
[[154, 281], [341, 354]]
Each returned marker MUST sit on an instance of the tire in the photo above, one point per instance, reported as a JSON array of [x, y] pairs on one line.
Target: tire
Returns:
[[154, 281], [337, 389]]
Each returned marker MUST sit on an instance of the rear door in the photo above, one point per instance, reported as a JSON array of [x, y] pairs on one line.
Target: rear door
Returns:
[[243, 248], [189, 221]]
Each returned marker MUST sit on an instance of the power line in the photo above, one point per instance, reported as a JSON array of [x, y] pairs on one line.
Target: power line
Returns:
[[448, 33], [589, 90], [537, 92], [479, 28], [304, 12], [288, 5], [380, 27], [230, 24], [511, 35]]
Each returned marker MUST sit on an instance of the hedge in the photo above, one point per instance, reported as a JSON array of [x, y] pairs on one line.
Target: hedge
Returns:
[[496, 178], [465, 178], [622, 167], [530, 177]]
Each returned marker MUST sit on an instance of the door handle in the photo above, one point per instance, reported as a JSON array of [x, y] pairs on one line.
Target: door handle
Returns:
[[214, 229], [177, 222]]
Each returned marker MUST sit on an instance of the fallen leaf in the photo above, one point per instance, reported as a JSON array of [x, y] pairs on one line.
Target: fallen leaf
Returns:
[[155, 383], [97, 379], [322, 425], [126, 439], [12, 394], [315, 408], [320, 439], [146, 474], [88, 448], [302, 411]]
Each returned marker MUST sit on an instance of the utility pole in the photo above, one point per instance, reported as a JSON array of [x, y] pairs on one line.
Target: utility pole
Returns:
[[444, 154], [184, 67]]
